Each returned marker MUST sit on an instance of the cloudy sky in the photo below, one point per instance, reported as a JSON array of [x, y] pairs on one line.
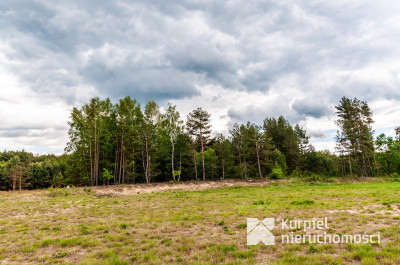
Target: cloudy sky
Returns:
[[240, 60]]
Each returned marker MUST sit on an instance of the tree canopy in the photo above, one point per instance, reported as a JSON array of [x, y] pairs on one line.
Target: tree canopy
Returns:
[[125, 143]]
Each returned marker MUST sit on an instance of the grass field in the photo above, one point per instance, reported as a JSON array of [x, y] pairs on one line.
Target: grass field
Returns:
[[73, 226]]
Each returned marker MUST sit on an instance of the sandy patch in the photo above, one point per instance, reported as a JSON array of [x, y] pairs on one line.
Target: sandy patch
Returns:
[[166, 187]]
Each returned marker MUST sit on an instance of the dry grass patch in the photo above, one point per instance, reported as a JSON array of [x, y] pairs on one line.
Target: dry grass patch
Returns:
[[201, 225]]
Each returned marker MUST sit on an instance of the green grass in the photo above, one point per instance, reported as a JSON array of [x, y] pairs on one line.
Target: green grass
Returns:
[[197, 227]]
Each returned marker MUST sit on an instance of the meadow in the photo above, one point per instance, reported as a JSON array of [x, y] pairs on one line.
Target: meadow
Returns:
[[78, 226]]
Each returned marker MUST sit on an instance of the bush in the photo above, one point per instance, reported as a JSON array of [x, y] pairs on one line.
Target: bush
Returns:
[[176, 173], [277, 173], [242, 226], [313, 177]]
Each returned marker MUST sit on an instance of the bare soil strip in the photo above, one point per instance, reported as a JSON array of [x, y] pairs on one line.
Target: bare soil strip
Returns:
[[121, 190]]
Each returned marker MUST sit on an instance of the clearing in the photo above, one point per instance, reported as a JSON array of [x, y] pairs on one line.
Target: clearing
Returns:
[[196, 223]]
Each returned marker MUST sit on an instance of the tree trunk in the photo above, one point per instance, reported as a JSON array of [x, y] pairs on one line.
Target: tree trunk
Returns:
[[376, 165], [244, 165], [399, 146], [149, 168], [120, 160], [362, 150], [90, 156], [180, 166], [195, 163], [202, 155], [20, 181], [14, 180], [358, 166], [147, 162], [98, 153], [223, 168], [258, 161], [116, 164], [240, 163], [172, 161], [95, 150], [143, 164], [364, 164], [351, 171], [97, 167], [370, 167], [123, 168], [365, 168], [343, 166]]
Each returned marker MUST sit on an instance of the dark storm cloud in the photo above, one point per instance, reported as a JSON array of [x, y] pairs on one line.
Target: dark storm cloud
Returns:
[[311, 107], [269, 40], [68, 51], [156, 83]]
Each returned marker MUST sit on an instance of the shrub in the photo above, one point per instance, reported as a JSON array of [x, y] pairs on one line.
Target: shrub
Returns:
[[277, 173], [313, 177], [176, 173], [313, 249], [242, 226]]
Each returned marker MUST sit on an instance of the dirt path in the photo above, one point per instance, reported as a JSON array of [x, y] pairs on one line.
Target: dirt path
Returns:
[[165, 187]]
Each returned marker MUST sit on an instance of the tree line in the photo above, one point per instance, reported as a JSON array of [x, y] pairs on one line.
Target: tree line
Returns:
[[124, 143]]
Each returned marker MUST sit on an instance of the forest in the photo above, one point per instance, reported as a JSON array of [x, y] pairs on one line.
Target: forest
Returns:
[[124, 143]]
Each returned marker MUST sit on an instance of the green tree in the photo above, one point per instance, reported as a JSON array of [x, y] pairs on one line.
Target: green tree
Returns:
[[198, 125], [387, 155], [285, 139], [355, 123], [13, 170], [151, 123], [238, 143], [129, 119], [222, 147], [173, 127]]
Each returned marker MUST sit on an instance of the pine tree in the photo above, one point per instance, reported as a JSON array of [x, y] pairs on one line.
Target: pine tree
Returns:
[[129, 119], [222, 147], [151, 124], [355, 122], [237, 143], [14, 171], [285, 139], [198, 125]]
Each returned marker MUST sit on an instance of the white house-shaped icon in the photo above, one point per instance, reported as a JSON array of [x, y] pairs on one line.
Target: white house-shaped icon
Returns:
[[260, 231]]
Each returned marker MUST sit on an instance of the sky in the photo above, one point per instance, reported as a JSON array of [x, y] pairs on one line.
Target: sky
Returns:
[[240, 60]]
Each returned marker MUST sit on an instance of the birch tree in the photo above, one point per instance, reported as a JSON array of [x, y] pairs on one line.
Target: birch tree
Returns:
[[173, 127]]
